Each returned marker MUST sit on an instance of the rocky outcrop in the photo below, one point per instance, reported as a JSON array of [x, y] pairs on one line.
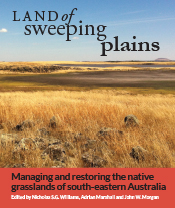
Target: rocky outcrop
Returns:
[[25, 125], [105, 131], [25, 144], [6, 139], [55, 152], [92, 160], [43, 132]]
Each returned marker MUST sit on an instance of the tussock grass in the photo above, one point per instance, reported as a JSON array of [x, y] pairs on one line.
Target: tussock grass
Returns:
[[86, 113]]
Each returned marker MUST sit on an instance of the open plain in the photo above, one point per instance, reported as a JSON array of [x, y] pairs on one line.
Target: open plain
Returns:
[[76, 117]]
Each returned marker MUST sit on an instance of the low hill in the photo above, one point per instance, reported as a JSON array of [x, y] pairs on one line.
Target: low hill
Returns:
[[162, 59]]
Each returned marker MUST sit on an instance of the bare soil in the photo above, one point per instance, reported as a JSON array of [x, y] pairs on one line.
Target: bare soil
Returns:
[[140, 78]]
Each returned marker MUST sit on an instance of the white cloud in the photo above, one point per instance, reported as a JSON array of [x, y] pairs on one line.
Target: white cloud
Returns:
[[3, 30], [75, 38]]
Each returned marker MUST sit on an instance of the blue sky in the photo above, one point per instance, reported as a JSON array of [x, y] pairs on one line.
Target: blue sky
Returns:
[[150, 21]]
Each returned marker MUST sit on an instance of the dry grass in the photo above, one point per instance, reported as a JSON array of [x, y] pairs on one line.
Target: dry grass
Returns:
[[41, 63], [87, 113], [40, 67]]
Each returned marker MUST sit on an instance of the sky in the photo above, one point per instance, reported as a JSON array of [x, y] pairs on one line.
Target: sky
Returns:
[[149, 21]]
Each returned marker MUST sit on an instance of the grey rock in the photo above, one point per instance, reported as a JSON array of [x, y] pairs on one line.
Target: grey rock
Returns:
[[77, 137], [131, 121], [105, 131], [55, 152], [5, 139], [91, 160], [90, 144], [138, 153], [43, 132], [53, 122], [68, 145], [17, 165], [41, 143], [26, 144], [53, 141], [25, 125]]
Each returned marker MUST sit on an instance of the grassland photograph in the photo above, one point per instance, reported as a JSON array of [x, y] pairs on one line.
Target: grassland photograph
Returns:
[[82, 115]]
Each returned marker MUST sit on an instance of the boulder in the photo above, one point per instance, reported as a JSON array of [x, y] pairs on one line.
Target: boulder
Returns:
[[90, 144], [41, 143], [138, 153], [53, 141], [55, 152], [77, 137], [91, 160], [25, 125], [53, 122], [131, 121], [25, 144], [43, 132], [6, 139], [16, 165], [19, 165], [105, 131], [68, 145]]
